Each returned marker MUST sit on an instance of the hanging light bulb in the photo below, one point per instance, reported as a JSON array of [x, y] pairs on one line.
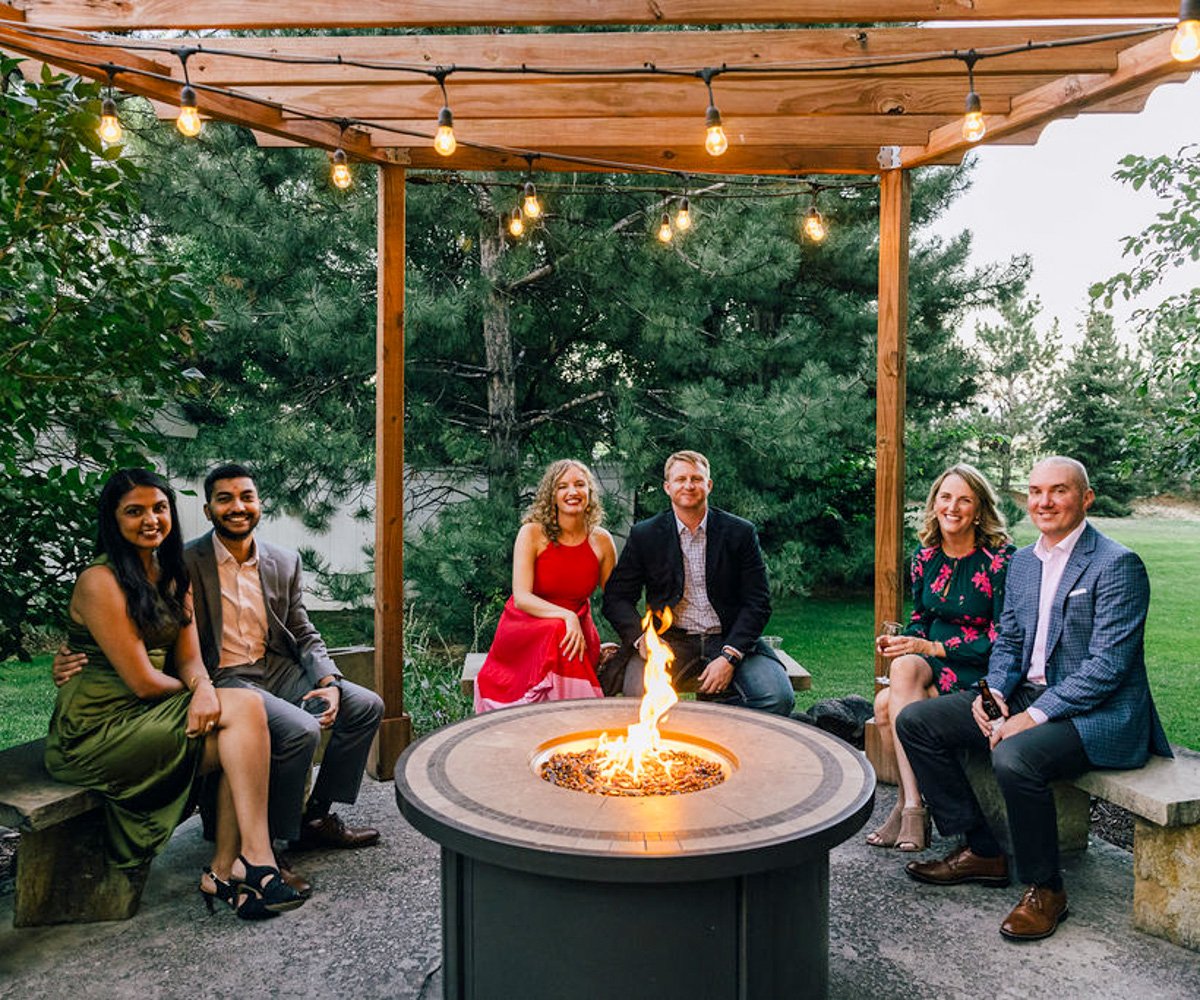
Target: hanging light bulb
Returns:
[[340, 173], [531, 205], [1185, 46], [443, 140], [516, 224], [110, 125], [665, 232], [973, 127], [715, 140], [683, 217], [814, 225], [188, 121]]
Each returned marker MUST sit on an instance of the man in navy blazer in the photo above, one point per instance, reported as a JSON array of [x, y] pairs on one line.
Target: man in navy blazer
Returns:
[[706, 565], [1069, 673]]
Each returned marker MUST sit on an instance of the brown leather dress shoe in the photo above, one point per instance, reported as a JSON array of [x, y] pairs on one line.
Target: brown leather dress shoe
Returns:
[[961, 865], [1037, 915], [293, 878], [330, 831]]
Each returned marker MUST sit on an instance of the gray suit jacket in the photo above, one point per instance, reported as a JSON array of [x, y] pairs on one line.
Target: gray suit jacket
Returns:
[[293, 642], [1095, 658]]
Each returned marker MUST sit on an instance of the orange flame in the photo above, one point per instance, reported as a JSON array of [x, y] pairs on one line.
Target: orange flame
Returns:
[[629, 754]]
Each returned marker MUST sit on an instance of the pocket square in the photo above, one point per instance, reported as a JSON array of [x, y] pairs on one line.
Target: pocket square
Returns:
[[1076, 593]]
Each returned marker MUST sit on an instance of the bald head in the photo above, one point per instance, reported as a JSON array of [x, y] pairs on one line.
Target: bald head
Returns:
[[1059, 497]]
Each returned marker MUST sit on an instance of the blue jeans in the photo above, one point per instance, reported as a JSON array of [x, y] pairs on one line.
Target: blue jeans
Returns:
[[759, 681]]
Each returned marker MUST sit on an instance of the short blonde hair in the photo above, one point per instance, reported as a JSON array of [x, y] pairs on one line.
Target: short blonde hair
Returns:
[[544, 511], [694, 457], [991, 530]]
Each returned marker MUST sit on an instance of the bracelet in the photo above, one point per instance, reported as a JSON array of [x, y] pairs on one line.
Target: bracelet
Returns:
[[199, 681]]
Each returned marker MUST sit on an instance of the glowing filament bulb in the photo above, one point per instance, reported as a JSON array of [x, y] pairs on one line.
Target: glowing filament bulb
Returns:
[[814, 225], [1185, 45], [531, 205], [516, 225], [683, 218], [973, 127], [110, 126], [340, 174], [664, 229], [714, 141], [188, 121], [443, 140]]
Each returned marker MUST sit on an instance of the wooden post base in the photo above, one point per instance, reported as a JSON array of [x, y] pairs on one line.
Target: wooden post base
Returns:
[[63, 877], [393, 736], [881, 754]]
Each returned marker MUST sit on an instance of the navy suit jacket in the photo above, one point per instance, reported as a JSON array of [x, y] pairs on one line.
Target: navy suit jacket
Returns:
[[293, 642], [1095, 658], [734, 574]]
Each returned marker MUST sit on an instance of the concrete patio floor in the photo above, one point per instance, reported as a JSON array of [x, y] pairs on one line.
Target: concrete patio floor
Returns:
[[372, 931]]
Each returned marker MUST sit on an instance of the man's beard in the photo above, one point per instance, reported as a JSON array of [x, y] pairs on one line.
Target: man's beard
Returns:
[[245, 531]]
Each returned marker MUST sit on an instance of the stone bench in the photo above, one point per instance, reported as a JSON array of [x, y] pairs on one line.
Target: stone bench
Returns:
[[800, 678], [62, 876]]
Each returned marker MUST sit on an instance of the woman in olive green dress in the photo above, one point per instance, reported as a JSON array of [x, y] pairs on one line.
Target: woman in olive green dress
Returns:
[[142, 721]]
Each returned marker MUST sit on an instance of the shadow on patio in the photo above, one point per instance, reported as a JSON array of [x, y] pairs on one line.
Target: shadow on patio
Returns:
[[373, 930]]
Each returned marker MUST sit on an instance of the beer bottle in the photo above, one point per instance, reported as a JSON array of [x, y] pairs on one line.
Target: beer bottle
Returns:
[[991, 708]]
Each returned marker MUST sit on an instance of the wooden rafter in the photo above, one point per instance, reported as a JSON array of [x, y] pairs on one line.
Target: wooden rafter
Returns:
[[247, 14]]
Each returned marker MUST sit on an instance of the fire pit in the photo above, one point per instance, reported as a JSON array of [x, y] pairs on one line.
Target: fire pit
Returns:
[[548, 892]]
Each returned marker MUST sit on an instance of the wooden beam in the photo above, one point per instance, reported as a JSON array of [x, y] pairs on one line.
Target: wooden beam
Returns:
[[152, 14], [396, 731], [155, 80], [895, 202], [679, 50], [1139, 65]]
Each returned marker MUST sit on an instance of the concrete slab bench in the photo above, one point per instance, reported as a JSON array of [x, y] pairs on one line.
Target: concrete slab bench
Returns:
[[800, 678], [62, 876]]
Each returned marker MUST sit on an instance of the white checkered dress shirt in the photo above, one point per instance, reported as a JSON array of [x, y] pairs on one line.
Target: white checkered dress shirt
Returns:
[[694, 613]]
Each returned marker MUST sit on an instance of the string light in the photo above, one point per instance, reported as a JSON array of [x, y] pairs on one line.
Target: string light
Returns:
[[664, 229], [188, 121], [110, 131], [516, 225], [973, 128], [715, 141], [683, 217], [340, 173], [814, 224], [443, 139], [1185, 45], [531, 206]]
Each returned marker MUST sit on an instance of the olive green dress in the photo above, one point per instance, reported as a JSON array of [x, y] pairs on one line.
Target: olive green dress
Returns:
[[134, 752]]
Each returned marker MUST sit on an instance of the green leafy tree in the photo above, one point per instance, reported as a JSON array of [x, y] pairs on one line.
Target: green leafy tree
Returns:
[[1171, 329], [94, 337], [1095, 414], [1017, 362]]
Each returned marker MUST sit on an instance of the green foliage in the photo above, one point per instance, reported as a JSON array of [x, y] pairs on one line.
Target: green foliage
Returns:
[[94, 336], [1093, 415]]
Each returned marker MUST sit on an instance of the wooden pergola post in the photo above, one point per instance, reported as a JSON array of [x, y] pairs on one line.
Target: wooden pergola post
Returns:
[[895, 198], [396, 731]]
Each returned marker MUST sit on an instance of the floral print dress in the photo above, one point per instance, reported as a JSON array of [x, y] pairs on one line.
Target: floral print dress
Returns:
[[957, 602]]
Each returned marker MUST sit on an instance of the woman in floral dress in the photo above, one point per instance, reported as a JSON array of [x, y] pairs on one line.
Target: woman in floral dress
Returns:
[[958, 594]]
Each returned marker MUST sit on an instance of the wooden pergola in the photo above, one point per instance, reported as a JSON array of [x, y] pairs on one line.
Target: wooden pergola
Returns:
[[611, 95]]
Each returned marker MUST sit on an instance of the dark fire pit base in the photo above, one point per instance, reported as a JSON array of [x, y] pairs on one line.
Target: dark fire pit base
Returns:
[[556, 894]]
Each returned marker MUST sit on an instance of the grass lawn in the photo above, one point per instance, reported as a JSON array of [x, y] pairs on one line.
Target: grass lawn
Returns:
[[831, 637]]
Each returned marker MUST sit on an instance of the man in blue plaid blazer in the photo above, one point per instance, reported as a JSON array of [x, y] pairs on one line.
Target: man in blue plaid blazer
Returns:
[[1069, 673]]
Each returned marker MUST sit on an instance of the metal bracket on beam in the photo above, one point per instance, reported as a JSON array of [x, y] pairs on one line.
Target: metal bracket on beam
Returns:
[[889, 157], [398, 156]]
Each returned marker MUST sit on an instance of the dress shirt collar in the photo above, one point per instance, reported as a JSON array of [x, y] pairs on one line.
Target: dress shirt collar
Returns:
[[680, 527], [225, 556], [1063, 549]]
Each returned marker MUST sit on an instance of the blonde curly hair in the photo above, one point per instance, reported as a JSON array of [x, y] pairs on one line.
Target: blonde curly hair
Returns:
[[544, 511], [991, 529]]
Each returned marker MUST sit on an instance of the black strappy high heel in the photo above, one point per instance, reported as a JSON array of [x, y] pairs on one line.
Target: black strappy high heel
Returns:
[[225, 892], [265, 898]]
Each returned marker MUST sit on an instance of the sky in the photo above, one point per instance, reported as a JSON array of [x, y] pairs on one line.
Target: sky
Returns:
[[1058, 202]]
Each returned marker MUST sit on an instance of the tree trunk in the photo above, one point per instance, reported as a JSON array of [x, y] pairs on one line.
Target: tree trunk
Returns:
[[503, 464]]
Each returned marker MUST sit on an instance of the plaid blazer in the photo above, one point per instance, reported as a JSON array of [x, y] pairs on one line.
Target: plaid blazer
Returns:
[[1095, 661]]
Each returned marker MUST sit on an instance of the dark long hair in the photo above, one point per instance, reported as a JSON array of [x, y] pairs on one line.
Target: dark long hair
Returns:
[[124, 559]]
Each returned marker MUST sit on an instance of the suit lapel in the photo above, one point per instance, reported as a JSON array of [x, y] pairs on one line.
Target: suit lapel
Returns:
[[1081, 556], [714, 538], [210, 582], [268, 577]]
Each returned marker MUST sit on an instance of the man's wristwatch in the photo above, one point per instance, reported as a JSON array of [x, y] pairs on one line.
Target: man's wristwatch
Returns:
[[731, 654], [333, 682]]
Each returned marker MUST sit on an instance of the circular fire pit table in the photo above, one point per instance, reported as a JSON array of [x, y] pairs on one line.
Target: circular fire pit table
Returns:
[[553, 893]]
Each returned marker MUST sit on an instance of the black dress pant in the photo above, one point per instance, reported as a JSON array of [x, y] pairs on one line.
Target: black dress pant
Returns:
[[934, 733]]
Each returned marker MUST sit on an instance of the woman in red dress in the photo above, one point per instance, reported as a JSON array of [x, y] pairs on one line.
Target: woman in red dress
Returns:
[[546, 646]]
